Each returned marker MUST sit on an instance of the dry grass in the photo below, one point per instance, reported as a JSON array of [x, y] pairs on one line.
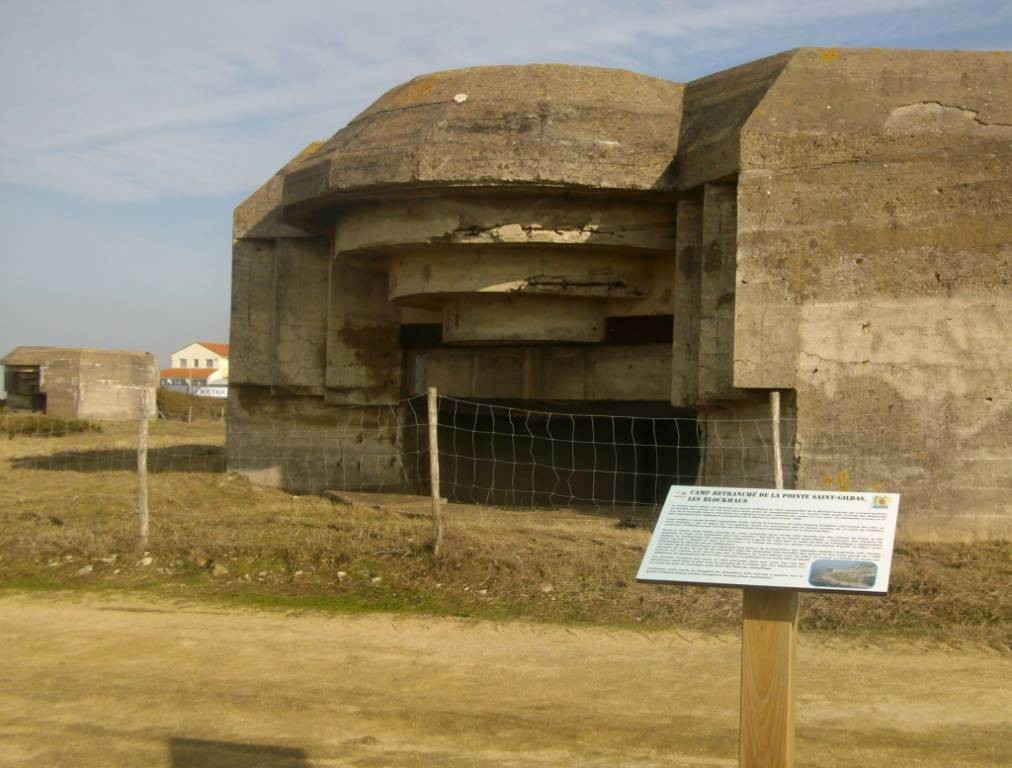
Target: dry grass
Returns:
[[69, 504]]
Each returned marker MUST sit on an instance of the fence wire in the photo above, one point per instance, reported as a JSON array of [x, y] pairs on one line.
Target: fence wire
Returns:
[[495, 455], [490, 454]]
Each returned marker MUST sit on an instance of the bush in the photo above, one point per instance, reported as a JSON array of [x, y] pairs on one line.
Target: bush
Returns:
[[180, 406], [40, 425]]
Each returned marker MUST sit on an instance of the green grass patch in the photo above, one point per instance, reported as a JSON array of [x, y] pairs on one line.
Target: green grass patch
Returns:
[[15, 424]]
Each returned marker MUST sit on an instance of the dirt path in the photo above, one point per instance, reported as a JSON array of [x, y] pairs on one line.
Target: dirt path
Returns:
[[90, 681]]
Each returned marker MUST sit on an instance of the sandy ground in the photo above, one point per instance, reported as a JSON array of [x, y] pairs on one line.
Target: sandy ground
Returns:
[[115, 681]]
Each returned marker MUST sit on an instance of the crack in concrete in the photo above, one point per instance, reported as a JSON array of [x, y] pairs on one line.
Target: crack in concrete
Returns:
[[973, 113], [961, 366]]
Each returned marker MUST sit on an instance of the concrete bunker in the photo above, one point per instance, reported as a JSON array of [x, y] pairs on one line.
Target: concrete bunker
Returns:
[[73, 383], [575, 239]]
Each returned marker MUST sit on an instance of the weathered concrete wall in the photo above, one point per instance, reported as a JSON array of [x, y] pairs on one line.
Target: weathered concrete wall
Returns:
[[60, 381], [873, 266], [300, 314], [561, 373], [308, 330], [303, 320], [113, 386], [279, 313], [704, 276], [302, 444], [280, 298], [363, 349], [251, 335], [686, 299]]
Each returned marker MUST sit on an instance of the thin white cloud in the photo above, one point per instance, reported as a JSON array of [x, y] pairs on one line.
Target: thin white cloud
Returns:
[[123, 101]]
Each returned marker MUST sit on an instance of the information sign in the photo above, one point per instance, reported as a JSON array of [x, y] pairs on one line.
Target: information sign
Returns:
[[759, 537]]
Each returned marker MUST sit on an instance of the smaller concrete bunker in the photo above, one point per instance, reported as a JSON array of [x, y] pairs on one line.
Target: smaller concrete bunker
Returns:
[[97, 384]]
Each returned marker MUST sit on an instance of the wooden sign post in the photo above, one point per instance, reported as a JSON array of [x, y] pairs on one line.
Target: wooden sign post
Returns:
[[768, 642], [772, 543], [769, 631]]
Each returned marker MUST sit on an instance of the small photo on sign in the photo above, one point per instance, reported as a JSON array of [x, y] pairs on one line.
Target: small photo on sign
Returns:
[[843, 574]]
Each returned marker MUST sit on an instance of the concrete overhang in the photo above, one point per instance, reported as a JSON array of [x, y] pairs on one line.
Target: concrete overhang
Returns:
[[543, 126], [812, 107]]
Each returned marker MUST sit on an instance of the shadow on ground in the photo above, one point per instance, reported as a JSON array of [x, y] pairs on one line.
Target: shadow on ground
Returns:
[[195, 753], [174, 458]]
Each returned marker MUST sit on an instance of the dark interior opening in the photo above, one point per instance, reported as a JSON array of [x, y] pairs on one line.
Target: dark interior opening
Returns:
[[417, 335], [23, 385], [639, 329], [631, 329], [559, 454]]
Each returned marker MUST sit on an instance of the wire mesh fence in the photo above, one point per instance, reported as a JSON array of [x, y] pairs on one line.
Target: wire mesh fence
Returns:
[[503, 455], [490, 454]]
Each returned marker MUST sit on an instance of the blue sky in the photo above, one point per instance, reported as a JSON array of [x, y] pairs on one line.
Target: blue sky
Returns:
[[130, 130]]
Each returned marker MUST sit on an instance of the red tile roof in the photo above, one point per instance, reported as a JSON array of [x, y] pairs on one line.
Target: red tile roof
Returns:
[[186, 373], [218, 349]]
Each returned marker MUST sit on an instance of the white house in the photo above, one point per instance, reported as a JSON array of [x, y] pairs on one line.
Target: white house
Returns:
[[202, 364]]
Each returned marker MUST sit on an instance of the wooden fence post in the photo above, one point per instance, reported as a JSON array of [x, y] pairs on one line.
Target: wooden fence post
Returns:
[[778, 452], [437, 514], [768, 647], [142, 468]]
